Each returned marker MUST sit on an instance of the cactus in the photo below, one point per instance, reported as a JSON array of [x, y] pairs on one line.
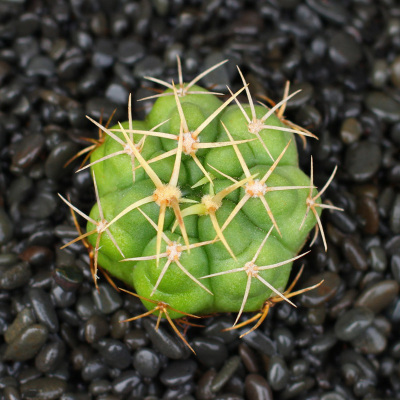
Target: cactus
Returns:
[[202, 208]]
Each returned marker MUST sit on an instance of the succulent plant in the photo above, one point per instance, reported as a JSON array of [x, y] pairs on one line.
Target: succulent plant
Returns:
[[201, 208]]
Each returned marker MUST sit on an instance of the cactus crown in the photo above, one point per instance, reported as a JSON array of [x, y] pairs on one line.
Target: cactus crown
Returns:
[[202, 207]]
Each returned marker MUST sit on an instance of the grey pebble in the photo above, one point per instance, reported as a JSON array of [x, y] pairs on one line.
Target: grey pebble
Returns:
[[23, 319], [147, 363], [296, 388], [344, 51], [106, 299], [378, 296], [103, 53], [350, 131], [117, 93], [136, 338], [11, 393], [99, 387], [395, 72], [284, 340], [249, 358], [148, 66], [331, 10], [352, 357], [384, 106], [44, 308], [228, 369], [69, 278], [323, 344], [28, 150], [203, 390], [377, 258], [163, 341], [217, 327], [44, 388], [306, 93], [353, 322], [322, 293], [27, 344], [41, 66], [130, 51], [118, 328], [178, 372], [278, 373], [71, 67], [125, 382], [96, 327], [94, 368], [257, 388], [379, 73], [115, 353], [6, 227], [50, 356], [260, 342], [55, 162], [395, 215], [395, 267], [15, 276], [210, 352], [42, 205], [371, 341], [362, 160], [85, 307]]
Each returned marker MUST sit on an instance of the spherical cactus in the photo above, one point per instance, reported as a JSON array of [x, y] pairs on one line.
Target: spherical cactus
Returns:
[[201, 208]]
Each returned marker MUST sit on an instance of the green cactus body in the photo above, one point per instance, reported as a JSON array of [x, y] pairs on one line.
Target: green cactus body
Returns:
[[184, 289]]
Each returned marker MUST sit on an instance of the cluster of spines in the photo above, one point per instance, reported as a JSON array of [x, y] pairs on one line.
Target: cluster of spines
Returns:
[[169, 194]]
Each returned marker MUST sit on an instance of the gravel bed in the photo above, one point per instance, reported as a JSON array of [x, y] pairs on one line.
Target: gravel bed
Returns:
[[61, 60]]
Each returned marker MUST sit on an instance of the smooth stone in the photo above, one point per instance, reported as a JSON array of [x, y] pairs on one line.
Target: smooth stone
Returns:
[[323, 292], [178, 372], [395, 267], [350, 130], [115, 353], [379, 73], [217, 329], [41, 66], [106, 299], [103, 54], [58, 157], [307, 92], [119, 326], [69, 278], [163, 341], [94, 368], [371, 341], [377, 258], [395, 72], [331, 10], [384, 106], [226, 372], [117, 93], [125, 383], [394, 221], [148, 66], [23, 320], [203, 390], [260, 342], [296, 388], [71, 68], [44, 309], [284, 340], [362, 160], [368, 209], [249, 358], [50, 356], [44, 388], [378, 296], [100, 387], [210, 352], [355, 254], [257, 388], [130, 51], [15, 276], [278, 373], [136, 338], [42, 205], [344, 51], [28, 150], [96, 327], [27, 344], [352, 323], [6, 227], [147, 363]]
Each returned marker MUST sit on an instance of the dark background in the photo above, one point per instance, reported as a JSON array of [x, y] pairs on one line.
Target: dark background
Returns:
[[61, 60]]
